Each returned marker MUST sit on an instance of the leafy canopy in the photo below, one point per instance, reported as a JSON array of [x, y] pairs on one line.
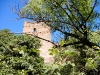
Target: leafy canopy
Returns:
[[76, 20], [70, 17], [19, 54]]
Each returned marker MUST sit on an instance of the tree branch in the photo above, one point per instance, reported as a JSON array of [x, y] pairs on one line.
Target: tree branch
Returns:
[[91, 11], [37, 37]]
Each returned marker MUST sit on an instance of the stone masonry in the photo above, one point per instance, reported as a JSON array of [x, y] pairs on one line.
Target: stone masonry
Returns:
[[41, 30]]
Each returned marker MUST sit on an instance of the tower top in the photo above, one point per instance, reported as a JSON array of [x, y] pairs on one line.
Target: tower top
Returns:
[[39, 28]]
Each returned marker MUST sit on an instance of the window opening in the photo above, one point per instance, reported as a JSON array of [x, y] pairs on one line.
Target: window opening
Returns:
[[34, 30]]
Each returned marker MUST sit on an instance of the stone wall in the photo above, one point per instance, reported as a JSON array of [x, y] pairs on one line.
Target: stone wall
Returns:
[[42, 30]]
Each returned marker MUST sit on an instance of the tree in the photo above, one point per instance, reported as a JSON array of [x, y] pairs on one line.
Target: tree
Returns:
[[78, 60], [76, 20], [65, 17], [19, 54]]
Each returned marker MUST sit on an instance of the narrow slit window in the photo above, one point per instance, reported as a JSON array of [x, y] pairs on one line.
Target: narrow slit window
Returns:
[[34, 30]]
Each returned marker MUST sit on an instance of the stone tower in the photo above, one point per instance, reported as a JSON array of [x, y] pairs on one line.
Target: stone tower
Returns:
[[41, 30]]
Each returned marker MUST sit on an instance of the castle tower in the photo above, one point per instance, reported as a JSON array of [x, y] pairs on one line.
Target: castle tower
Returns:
[[41, 30]]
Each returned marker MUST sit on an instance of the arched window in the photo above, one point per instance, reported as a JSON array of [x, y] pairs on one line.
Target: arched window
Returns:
[[34, 30]]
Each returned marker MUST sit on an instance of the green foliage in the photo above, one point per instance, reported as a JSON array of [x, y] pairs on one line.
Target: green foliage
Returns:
[[75, 19], [19, 55], [95, 37], [61, 12], [78, 61]]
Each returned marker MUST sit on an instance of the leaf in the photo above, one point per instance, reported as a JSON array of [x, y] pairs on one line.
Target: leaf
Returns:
[[62, 42], [91, 64], [55, 66], [58, 73], [21, 52]]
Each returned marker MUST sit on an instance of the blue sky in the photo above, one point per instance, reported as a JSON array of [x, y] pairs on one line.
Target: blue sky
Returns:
[[7, 17]]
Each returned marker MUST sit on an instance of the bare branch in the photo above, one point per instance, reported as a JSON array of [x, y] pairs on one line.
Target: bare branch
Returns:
[[66, 33], [37, 37], [72, 43]]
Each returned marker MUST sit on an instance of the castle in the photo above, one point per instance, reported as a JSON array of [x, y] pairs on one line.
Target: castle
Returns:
[[41, 30]]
